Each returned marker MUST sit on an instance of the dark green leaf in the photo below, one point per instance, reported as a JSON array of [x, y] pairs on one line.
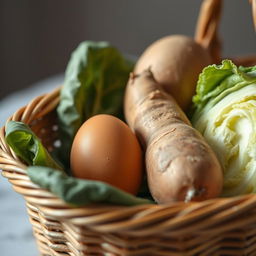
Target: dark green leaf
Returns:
[[79, 192], [94, 83]]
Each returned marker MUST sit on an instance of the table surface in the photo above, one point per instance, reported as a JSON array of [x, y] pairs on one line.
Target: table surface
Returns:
[[16, 236]]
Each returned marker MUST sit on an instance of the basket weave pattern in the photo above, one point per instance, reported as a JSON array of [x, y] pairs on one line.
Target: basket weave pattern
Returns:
[[222, 226]]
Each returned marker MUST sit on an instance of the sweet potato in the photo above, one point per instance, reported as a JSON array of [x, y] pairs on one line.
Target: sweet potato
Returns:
[[179, 163], [176, 61]]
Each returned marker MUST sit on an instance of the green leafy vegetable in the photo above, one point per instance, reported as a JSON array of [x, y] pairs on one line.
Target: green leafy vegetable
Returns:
[[78, 192], [28, 146], [48, 174], [225, 113], [217, 81], [94, 83]]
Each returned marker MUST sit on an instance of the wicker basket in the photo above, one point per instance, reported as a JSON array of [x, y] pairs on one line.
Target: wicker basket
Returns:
[[213, 227]]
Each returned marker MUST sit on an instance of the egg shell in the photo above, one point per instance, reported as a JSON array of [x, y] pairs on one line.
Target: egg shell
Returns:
[[106, 149]]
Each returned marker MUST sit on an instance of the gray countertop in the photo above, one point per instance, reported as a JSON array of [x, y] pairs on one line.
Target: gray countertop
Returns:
[[16, 236]]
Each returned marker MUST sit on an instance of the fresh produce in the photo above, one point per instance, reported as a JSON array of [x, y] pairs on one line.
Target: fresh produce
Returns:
[[94, 83], [180, 165], [175, 61], [46, 172], [225, 113], [28, 146], [106, 160], [81, 192], [106, 149]]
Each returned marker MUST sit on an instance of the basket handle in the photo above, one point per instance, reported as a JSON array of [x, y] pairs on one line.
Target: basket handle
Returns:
[[207, 35], [253, 3], [208, 22]]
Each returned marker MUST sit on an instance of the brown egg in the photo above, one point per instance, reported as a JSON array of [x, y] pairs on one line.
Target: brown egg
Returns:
[[105, 149]]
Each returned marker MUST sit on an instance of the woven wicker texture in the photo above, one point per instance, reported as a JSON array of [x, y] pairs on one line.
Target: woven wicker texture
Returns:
[[212, 227]]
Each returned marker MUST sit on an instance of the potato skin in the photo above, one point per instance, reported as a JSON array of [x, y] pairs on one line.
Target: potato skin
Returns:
[[175, 61], [188, 169], [180, 165]]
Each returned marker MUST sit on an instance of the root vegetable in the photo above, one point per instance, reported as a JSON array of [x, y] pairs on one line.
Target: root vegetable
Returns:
[[180, 165], [176, 61]]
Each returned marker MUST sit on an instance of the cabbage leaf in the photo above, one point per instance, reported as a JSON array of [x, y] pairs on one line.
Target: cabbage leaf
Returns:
[[225, 114]]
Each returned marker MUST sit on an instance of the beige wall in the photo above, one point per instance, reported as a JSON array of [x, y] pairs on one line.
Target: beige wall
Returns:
[[37, 37]]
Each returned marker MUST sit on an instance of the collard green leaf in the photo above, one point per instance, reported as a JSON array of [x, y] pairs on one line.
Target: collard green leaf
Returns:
[[28, 146], [79, 192], [94, 83]]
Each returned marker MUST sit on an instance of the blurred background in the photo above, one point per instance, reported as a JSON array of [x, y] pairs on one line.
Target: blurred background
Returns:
[[37, 37]]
